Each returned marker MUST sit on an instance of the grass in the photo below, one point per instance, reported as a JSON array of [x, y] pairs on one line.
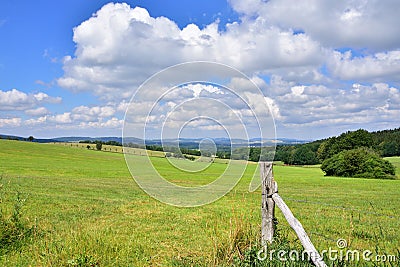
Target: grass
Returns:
[[90, 212], [396, 162]]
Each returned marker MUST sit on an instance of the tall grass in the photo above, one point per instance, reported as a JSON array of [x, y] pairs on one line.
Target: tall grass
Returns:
[[15, 230]]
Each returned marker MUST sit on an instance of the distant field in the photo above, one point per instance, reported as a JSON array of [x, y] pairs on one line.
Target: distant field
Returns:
[[115, 149], [119, 149], [396, 162], [86, 205]]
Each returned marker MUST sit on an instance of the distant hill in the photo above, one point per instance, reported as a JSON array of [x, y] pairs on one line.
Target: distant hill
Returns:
[[83, 138], [19, 138], [11, 137], [188, 142]]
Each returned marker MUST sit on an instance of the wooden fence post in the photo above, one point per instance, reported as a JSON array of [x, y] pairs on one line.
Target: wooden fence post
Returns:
[[267, 203], [300, 232], [270, 197]]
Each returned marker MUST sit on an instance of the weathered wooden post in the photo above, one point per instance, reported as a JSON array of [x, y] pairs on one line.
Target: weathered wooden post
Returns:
[[270, 197], [267, 203], [300, 232]]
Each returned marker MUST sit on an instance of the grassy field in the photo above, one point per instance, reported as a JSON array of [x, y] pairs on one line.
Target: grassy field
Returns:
[[114, 149], [134, 151], [88, 209], [396, 162]]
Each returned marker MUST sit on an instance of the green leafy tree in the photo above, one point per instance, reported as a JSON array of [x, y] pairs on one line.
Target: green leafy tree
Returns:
[[254, 154], [99, 145], [323, 151], [360, 162], [390, 149], [304, 156], [346, 141], [285, 154]]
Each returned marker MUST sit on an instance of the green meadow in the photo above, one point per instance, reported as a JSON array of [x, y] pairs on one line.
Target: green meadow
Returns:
[[396, 162], [86, 210]]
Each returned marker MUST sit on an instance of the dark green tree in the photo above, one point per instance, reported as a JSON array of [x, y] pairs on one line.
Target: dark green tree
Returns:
[[99, 145], [304, 156], [360, 162], [254, 154], [346, 141], [390, 148], [285, 154]]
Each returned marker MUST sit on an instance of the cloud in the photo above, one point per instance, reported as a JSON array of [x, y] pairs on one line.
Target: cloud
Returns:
[[65, 122], [37, 112], [43, 83], [377, 67], [198, 88], [319, 63], [61, 118], [38, 121], [17, 100], [358, 24], [14, 99], [84, 113], [10, 122], [78, 118], [119, 47], [319, 105], [111, 123], [42, 97]]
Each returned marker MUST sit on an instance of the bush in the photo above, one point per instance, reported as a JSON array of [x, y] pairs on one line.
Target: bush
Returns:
[[360, 162], [190, 157]]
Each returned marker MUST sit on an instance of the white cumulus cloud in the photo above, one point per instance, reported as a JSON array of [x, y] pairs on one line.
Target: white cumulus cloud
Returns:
[[18, 100], [356, 23], [318, 63], [10, 122], [377, 67], [119, 47], [37, 112]]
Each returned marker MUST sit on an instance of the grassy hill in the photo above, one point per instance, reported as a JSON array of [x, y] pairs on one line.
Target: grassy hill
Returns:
[[87, 209]]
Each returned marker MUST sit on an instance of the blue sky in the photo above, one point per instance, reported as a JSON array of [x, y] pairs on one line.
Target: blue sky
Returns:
[[323, 67], [38, 34]]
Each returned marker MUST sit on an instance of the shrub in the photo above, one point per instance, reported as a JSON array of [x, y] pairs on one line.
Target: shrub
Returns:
[[360, 162], [190, 157]]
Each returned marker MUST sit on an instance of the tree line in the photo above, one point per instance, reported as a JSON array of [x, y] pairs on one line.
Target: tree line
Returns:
[[354, 153], [109, 143], [384, 143]]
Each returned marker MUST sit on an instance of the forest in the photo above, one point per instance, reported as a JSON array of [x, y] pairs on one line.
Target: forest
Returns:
[[385, 143]]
